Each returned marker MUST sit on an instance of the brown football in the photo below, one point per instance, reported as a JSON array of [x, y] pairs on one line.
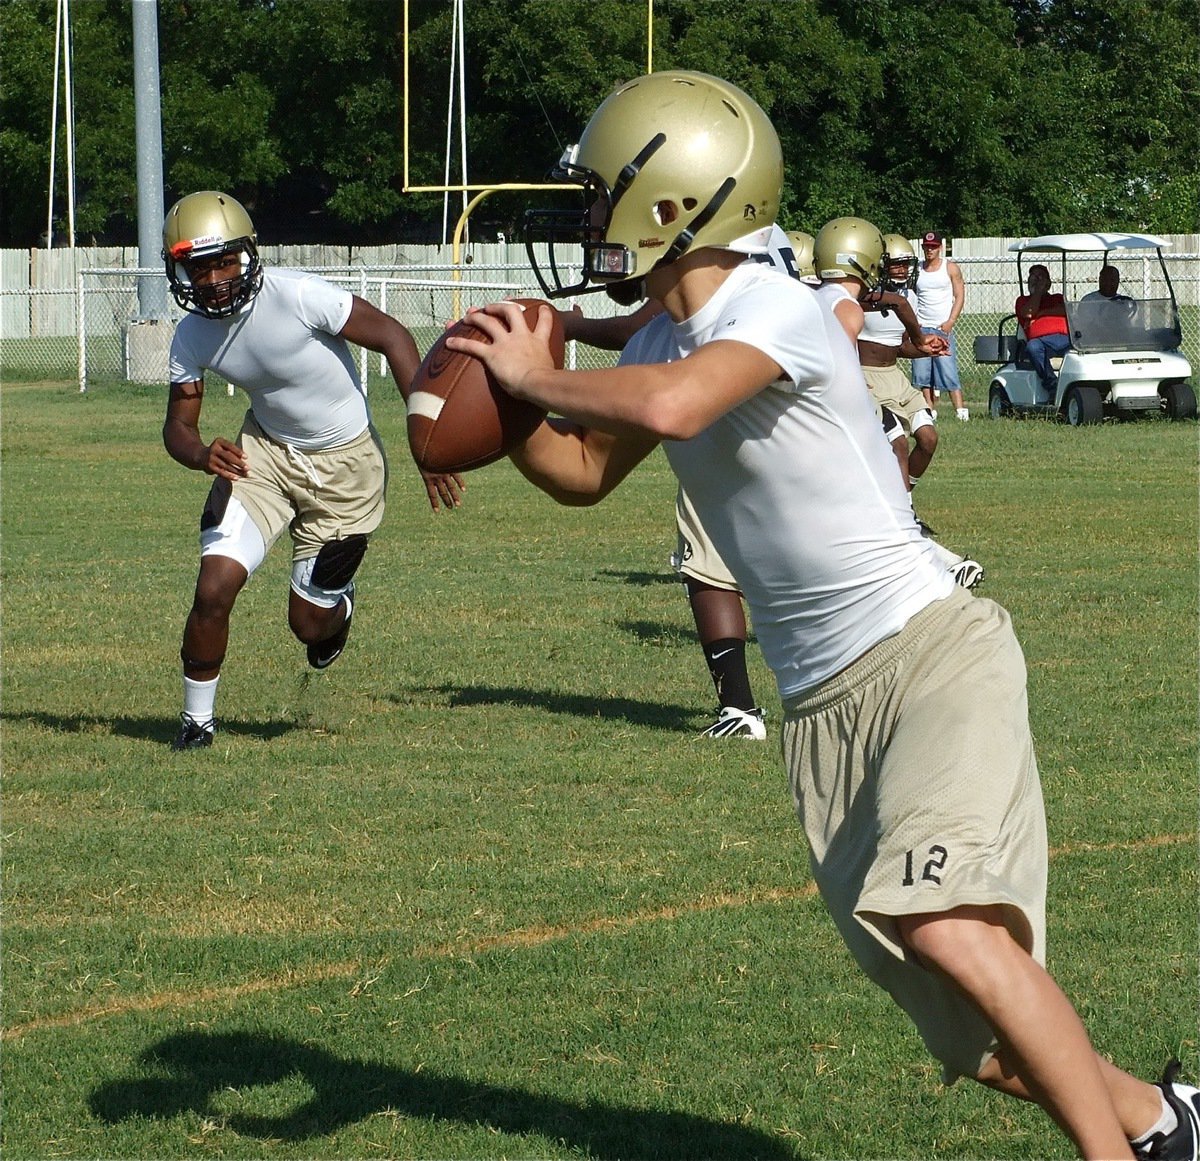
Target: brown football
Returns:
[[459, 417]]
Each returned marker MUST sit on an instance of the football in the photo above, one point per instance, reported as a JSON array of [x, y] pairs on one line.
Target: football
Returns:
[[459, 417]]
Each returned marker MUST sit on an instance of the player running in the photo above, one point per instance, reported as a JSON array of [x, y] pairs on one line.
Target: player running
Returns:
[[931, 859]]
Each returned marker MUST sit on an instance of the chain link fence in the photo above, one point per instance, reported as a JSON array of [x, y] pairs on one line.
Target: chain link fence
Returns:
[[94, 333]]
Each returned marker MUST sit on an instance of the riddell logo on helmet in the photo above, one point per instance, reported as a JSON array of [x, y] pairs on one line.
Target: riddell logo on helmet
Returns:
[[749, 213], [650, 243]]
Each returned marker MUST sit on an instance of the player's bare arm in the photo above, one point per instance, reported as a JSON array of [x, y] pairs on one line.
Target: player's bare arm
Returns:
[[664, 401], [370, 327], [576, 465], [182, 439], [607, 334]]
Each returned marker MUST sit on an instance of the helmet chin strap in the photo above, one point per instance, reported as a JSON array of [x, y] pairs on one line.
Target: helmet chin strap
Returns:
[[685, 237]]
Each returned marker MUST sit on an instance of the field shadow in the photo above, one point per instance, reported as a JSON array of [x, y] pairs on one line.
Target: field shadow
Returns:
[[147, 729], [658, 633], [654, 715], [197, 1066], [641, 579], [665, 633]]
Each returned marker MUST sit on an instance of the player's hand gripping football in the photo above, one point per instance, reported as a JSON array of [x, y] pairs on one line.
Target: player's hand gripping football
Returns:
[[515, 352], [933, 345]]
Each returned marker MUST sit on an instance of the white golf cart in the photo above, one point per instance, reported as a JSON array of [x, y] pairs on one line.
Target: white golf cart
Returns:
[[1124, 359]]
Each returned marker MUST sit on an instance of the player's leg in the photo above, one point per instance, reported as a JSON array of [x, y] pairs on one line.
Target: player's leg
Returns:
[[925, 441], [1043, 1043], [231, 548], [721, 626], [716, 604], [206, 631], [340, 497], [947, 913], [897, 438], [321, 603]]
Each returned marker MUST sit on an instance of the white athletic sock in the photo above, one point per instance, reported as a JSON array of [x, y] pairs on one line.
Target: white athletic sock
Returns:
[[200, 699], [1166, 1124]]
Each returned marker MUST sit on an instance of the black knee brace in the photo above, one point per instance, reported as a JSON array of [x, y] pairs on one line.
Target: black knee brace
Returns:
[[338, 561]]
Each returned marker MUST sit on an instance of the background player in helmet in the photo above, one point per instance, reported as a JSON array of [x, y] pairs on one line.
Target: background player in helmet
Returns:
[[713, 595], [307, 460], [850, 260], [882, 343], [931, 859]]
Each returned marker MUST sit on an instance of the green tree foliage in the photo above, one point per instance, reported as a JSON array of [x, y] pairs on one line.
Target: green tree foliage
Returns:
[[984, 117]]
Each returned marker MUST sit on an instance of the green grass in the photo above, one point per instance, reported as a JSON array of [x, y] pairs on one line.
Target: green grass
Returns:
[[477, 891]]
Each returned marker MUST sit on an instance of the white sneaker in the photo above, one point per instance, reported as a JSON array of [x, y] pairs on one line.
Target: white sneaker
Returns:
[[963, 414], [967, 573], [737, 723]]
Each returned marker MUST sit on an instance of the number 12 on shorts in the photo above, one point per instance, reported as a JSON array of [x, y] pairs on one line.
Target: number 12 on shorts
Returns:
[[929, 871]]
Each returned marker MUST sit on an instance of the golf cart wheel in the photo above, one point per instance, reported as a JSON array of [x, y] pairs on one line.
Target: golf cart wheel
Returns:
[[1082, 406], [999, 404], [1179, 401]]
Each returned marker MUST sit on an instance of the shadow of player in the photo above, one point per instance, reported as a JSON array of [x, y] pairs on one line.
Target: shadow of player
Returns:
[[198, 1065]]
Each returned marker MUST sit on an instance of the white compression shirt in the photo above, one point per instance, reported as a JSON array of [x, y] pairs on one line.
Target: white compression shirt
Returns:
[[886, 330], [283, 350], [797, 486]]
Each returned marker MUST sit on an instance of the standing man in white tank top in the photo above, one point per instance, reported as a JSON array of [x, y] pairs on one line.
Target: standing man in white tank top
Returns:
[[940, 295]]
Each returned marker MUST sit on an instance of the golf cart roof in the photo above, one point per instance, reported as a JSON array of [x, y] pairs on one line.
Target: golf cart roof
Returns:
[[1089, 243]]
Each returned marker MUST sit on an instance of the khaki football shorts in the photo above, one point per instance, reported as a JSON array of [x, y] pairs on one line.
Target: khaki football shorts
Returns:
[[914, 777], [316, 496], [695, 556], [890, 388]]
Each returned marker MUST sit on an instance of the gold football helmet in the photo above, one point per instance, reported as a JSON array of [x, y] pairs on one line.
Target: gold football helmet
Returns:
[[204, 226], [900, 264], [802, 247], [850, 248], [669, 163]]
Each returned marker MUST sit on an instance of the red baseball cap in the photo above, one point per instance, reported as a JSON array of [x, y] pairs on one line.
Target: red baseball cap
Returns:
[[932, 238]]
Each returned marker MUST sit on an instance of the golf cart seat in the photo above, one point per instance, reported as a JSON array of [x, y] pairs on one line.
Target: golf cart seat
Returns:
[[998, 348], [1007, 348]]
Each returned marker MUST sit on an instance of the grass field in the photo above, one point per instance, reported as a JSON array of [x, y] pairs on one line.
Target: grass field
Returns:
[[477, 891]]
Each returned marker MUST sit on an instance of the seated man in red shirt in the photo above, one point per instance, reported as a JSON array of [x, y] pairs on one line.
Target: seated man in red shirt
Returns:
[[1043, 318]]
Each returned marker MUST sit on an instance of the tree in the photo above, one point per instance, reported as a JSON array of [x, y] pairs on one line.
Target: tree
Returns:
[[992, 117]]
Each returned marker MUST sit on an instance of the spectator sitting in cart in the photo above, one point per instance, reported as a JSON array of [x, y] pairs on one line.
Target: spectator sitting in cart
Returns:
[[1043, 318], [1107, 281], [1106, 308]]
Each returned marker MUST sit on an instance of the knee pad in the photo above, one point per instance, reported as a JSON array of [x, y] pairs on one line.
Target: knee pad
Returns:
[[338, 561], [322, 579]]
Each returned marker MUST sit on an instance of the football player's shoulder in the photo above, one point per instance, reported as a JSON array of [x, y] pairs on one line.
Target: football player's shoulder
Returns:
[[286, 280], [774, 293], [650, 337]]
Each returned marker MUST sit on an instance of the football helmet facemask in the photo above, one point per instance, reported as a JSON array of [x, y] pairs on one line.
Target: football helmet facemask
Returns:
[[850, 248], [683, 141], [202, 227], [900, 263]]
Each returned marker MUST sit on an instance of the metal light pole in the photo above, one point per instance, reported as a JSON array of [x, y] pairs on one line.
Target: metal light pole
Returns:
[[152, 292]]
